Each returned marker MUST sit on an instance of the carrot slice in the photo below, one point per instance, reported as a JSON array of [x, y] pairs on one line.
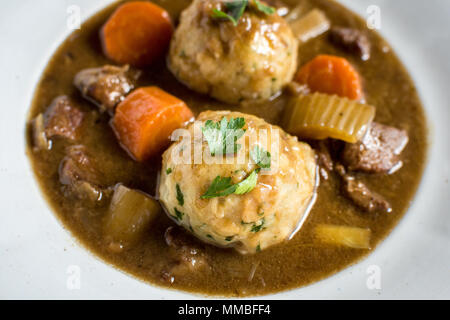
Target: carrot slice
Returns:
[[137, 33], [144, 121], [332, 75]]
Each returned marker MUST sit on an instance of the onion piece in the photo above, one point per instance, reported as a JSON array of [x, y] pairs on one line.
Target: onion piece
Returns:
[[352, 237], [311, 25], [130, 213], [40, 140], [298, 11]]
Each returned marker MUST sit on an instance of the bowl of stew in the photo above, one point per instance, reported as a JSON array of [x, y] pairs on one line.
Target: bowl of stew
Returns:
[[227, 148]]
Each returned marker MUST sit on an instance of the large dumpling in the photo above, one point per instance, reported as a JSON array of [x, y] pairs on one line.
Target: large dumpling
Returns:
[[252, 221], [252, 60]]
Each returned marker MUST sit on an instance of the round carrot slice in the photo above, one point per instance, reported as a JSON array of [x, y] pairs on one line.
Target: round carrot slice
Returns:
[[137, 33], [331, 75]]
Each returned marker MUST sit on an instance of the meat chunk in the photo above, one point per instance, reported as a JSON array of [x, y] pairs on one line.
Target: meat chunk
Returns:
[[364, 198], [186, 255], [378, 151], [182, 244], [61, 119], [360, 194], [79, 175], [351, 40], [106, 86], [324, 159]]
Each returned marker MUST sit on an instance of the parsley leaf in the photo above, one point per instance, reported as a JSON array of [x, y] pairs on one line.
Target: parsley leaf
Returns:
[[169, 171], [222, 186], [222, 136], [219, 187], [261, 157], [235, 10], [247, 184], [217, 14], [257, 227], [264, 8], [180, 196], [178, 214]]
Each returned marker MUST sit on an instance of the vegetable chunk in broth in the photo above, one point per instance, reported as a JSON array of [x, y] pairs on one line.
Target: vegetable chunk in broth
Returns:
[[85, 165]]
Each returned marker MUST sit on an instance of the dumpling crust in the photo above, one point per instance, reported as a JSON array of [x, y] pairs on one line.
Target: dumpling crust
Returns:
[[252, 60], [265, 216]]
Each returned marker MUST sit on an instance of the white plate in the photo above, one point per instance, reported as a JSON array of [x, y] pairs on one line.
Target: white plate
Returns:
[[39, 259]]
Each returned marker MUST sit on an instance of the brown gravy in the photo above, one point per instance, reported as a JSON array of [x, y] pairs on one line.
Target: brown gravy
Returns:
[[293, 264]]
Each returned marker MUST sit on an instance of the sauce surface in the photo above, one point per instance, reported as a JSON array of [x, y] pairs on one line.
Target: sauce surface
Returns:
[[292, 264]]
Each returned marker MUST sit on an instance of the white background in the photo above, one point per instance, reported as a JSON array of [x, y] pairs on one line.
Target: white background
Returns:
[[35, 251]]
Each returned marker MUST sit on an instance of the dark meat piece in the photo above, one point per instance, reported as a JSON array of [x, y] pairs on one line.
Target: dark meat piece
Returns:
[[62, 119], [187, 255], [323, 158], [352, 40], [378, 151], [177, 238], [106, 86], [79, 174], [182, 242], [364, 198], [360, 194]]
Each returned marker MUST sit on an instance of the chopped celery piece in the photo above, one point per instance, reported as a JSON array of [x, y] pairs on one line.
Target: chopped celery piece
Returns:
[[321, 116], [352, 237], [130, 213], [311, 25]]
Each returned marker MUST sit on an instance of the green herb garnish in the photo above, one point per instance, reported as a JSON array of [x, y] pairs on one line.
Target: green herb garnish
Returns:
[[178, 214], [223, 186], [235, 9], [261, 157], [222, 136], [258, 227], [219, 187], [229, 238], [258, 248], [247, 184], [169, 171], [180, 196], [264, 8]]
